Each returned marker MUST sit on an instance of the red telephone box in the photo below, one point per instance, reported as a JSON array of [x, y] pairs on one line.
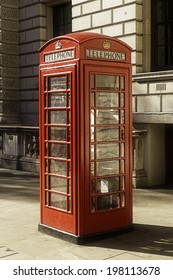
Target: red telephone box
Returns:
[[85, 135]]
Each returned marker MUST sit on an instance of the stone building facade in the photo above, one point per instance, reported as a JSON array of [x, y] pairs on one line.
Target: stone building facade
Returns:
[[26, 24]]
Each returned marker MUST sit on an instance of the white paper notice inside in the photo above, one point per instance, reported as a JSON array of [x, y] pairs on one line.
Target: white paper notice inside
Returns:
[[104, 186]]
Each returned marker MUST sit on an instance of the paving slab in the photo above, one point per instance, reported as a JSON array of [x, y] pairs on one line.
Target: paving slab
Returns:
[[152, 237]]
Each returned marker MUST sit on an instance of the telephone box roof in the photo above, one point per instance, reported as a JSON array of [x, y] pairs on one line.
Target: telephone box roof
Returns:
[[81, 37]]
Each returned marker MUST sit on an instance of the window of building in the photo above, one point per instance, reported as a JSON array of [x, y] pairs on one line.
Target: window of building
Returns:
[[62, 19], [162, 39]]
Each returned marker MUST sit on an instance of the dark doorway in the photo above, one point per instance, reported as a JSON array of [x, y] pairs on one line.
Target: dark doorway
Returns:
[[169, 154]]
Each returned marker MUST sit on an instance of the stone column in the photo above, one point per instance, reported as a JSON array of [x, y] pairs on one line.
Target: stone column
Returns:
[[9, 62], [139, 176]]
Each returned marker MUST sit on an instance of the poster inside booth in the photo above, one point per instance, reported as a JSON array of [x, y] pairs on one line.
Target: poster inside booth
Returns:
[[85, 135]]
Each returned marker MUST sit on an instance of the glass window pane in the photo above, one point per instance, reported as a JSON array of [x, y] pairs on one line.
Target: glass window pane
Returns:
[[107, 99], [58, 150], [57, 83], [62, 19], [59, 16], [110, 184], [123, 183], [122, 166], [122, 83], [123, 201], [68, 15], [92, 99], [107, 116], [170, 9], [93, 204], [104, 133], [46, 149], [170, 28], [92, 151], [122, 134], [57, 133], [122, 100], [171, 55], [160, 11], [59, 117], [161, 56], [107, 167], [107, 150], [68, 100], [57, 99], [161, 35], [46, 166], [58, 201], [122, 116], [47, 198], [58, 167], [58, 184], [92, 170], [122, 149], [106, 202], [92, 117], [68, 81], [109, 82], [92, 133]]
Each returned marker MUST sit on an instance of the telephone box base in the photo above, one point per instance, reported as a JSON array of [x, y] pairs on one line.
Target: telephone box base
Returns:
[[80, 240]]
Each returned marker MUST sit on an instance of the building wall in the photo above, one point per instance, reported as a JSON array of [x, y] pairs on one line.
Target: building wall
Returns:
[[32, 36], [128, 20], [21, 36], [9, 62], [153, 97], [121, 19]]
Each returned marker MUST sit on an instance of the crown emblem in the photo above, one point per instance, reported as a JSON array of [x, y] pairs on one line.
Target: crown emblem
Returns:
[[106, 45], [58, 46]]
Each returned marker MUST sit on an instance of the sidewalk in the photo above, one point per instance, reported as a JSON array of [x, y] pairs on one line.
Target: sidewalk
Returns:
[[20, 239]]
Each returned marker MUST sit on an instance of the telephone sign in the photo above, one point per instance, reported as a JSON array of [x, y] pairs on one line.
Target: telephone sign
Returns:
[[85, 135], [105, 55]]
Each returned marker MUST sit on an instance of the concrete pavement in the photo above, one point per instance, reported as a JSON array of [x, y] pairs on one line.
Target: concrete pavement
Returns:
[[152, 238]]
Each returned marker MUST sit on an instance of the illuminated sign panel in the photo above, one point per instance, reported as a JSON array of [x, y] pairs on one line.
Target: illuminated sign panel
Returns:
[[105, 55], [56, 56]]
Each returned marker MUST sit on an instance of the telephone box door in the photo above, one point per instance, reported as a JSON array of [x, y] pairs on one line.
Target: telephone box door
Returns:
[[58, 161], [108, 177]]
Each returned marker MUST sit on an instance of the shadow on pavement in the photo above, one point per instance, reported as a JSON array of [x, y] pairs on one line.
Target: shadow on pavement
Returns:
[[16, 185], [148, 239]]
